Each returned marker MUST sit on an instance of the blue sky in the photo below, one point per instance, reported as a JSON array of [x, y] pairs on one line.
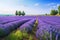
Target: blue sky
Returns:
[[31, 7]]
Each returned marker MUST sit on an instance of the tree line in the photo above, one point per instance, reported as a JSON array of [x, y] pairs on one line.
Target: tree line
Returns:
[[19, 13], [52, 12], [55, 12]]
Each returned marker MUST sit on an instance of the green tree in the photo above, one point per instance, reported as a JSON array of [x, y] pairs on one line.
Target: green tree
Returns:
[[19, 13], [46, 14], [54, 12], [16, 13], [23, 13], [59, 10]]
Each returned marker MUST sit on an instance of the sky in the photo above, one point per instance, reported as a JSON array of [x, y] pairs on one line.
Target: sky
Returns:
[[31, 7]]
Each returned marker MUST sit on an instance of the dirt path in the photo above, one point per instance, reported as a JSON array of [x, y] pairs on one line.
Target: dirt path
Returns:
[[34, 37]]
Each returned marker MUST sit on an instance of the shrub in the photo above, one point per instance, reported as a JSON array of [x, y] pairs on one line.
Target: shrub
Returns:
[[54, 12]]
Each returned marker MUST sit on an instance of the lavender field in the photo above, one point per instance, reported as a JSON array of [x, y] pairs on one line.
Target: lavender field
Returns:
[[29, 28], [29, 19]]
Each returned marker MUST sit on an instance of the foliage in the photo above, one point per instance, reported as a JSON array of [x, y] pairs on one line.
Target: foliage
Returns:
[[15, 36], [30, 38], [59, 10], [19, 35], [46, 14], [11, 37], [35, 27], [25, 35], [20, 13], [54, 12], [1, 32], [16, 12], [23, 13]]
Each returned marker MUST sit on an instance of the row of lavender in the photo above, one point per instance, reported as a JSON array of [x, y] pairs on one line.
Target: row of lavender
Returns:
[[10, 23], [48, 28]]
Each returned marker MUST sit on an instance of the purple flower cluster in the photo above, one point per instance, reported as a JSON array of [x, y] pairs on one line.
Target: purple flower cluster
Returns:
[[4, 20], [48, 28], [10, 23], [28, 26]]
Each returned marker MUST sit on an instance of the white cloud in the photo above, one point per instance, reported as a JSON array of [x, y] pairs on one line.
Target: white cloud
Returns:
[[7, 8], [50, 4], [28, 10], [58, 5], [53, 5], [11, 10], [36, 4]]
